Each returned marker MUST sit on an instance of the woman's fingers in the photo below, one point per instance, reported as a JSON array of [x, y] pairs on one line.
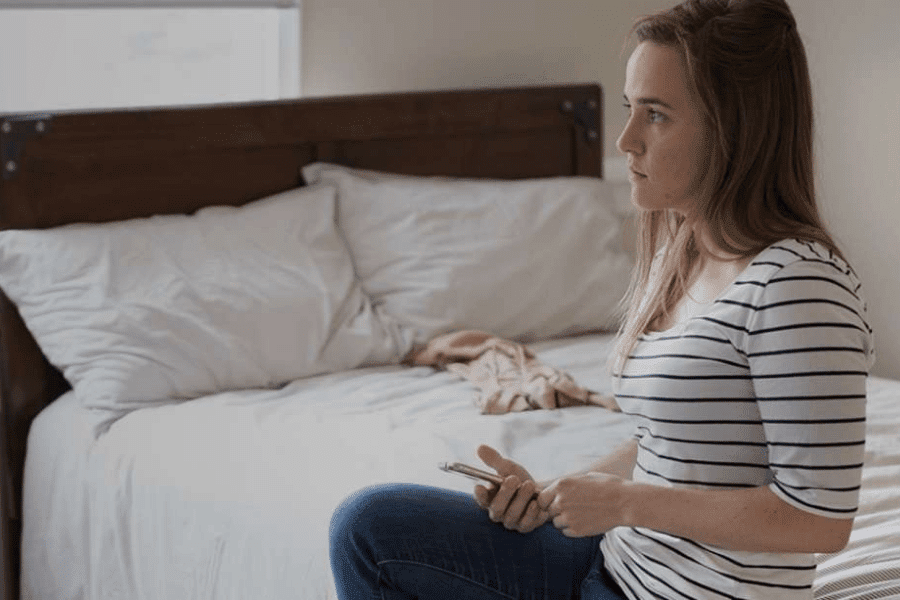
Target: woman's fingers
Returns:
[[546, 498], [483, 495], [501, 500], [533, 518], [513, 503], [494, 459], [516, 509]]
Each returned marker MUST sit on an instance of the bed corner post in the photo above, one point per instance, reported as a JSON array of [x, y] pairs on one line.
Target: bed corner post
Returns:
[[9, 588], [27, 384]]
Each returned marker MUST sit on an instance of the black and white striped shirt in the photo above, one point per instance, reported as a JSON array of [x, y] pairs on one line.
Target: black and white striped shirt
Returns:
[[765, 388]]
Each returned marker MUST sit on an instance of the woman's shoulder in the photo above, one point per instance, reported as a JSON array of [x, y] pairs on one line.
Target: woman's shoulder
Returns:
[[800, 286], [806, 260], [794, 278]]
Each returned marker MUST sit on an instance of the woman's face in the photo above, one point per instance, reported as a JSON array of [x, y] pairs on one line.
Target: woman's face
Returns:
[[665, 139]]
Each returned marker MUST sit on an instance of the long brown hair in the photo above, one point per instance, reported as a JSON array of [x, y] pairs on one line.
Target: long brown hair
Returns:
[[747, 65]]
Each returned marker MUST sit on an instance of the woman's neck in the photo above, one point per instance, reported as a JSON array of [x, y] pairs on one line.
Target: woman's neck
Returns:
[[713, 272], [710, 249]]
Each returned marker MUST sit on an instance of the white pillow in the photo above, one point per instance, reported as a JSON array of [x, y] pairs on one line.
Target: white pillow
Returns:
[[173, 307], [526, 260]]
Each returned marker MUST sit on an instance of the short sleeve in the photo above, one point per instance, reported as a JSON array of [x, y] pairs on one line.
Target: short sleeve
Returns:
[[810, 348]]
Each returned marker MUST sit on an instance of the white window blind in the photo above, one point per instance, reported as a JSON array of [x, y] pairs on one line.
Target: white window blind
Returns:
[[145, 3], [87, 54]]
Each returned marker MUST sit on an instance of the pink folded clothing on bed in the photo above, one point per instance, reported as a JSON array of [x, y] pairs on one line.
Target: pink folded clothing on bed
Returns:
[[508, 375]]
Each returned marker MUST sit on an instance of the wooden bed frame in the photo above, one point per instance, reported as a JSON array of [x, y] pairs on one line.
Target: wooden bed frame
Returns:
[[99, 166]]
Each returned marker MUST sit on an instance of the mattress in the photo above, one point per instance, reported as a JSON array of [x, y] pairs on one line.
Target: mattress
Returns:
[[229, 496]]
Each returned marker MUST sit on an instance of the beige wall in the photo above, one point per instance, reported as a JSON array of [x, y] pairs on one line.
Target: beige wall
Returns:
[[360, 46], [854, 53]]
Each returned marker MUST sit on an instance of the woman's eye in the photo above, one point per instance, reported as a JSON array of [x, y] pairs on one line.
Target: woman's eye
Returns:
[[655, 116]]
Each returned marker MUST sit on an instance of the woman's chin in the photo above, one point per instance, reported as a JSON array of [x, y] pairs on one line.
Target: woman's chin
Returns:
[[643, 199]]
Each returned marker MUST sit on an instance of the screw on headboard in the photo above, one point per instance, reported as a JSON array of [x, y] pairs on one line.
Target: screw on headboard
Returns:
[[585, 115], [14, 132]]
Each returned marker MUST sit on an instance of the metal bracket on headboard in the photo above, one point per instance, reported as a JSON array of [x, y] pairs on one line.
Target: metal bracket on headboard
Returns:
[[586, 115], [13, 133]]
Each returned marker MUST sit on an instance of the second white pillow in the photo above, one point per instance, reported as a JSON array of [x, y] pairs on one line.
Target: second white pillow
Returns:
[[525, 260]]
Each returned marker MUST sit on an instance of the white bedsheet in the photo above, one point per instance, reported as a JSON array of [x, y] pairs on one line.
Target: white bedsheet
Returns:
[[869, 567], [229, 496]]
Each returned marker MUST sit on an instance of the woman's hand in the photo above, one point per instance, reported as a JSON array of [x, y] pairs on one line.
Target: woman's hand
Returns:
[[583, 505], [514, 502]]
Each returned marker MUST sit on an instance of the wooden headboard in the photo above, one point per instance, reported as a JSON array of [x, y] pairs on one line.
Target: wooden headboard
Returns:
[[102, 166]]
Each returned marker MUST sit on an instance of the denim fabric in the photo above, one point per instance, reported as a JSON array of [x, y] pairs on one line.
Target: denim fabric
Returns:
[[404, 542]]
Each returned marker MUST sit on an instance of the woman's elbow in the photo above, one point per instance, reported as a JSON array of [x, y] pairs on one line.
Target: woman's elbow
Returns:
[[803, 531], [831, 535]]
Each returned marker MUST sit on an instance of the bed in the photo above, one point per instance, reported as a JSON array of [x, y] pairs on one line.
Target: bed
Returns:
[[233, 293]]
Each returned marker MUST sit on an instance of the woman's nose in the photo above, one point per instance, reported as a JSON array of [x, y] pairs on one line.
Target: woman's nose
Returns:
[[629, 142]]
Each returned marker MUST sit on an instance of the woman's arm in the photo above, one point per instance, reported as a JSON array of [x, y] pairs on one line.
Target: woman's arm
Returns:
[[620, 462], [752, 519], [602, 497]]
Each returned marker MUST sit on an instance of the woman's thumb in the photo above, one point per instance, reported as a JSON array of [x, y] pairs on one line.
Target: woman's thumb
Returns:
[[491, 457]]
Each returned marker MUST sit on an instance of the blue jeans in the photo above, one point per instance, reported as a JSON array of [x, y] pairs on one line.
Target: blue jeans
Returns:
[[405, 542]]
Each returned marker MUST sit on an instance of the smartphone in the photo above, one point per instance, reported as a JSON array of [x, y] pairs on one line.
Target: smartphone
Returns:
[[472, 472]]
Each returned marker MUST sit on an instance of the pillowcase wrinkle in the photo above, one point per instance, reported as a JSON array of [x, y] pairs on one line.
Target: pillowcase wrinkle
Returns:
[[174, 307]]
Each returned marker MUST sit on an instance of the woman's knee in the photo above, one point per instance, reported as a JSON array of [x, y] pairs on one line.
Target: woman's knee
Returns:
[[395, 510], [360, 510]]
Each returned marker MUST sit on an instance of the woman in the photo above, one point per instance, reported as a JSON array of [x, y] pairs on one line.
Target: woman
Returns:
[[743, 357]]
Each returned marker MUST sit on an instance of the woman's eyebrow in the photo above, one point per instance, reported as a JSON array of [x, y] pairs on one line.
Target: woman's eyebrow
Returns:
[[650, 100]]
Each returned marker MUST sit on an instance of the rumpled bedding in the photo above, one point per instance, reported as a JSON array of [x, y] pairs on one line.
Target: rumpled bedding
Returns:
[[229, 496]]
